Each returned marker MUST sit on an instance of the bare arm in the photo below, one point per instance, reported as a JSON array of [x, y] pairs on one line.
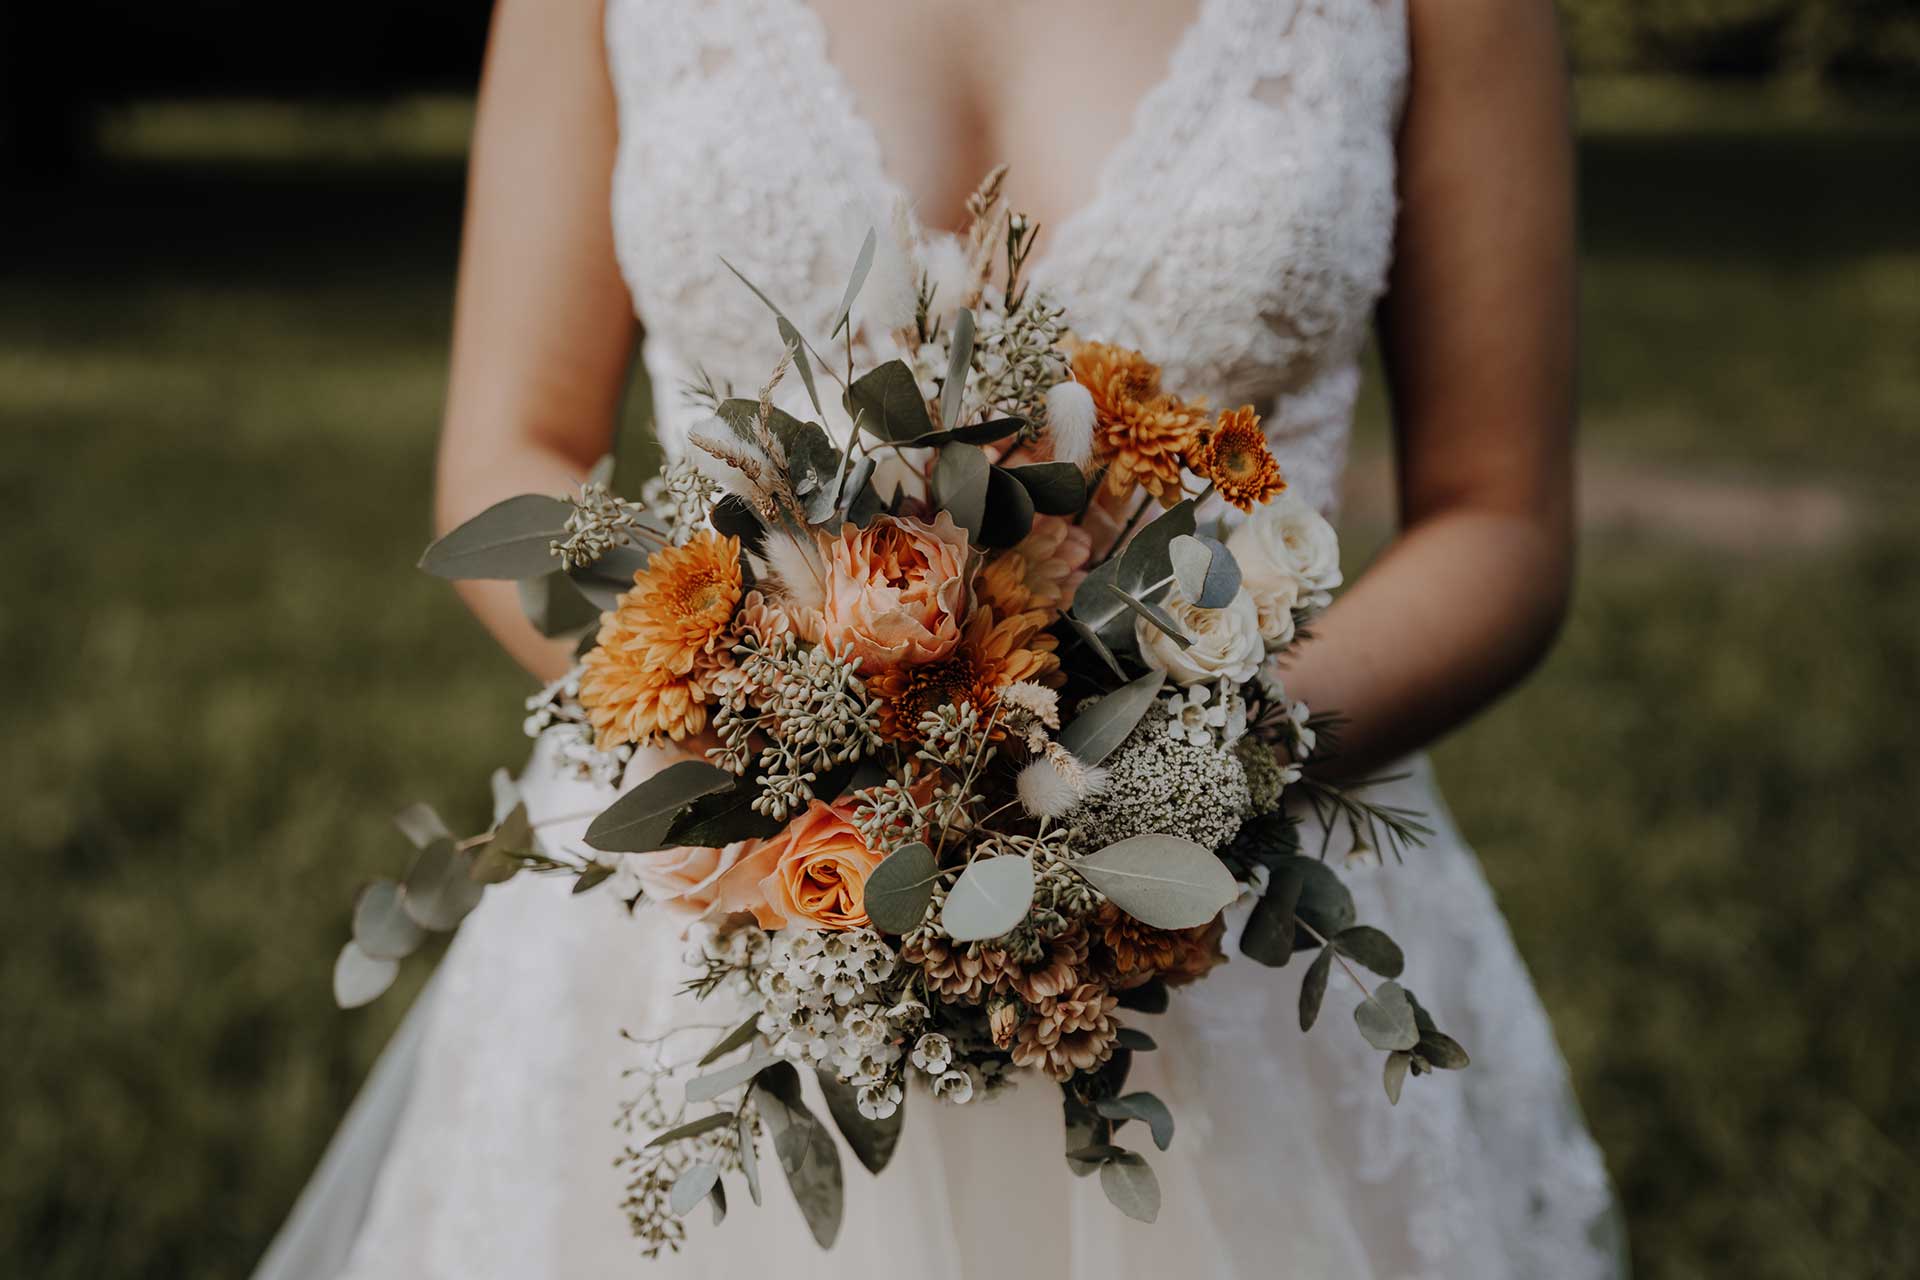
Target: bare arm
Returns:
[[543, 327], [1477, 330]]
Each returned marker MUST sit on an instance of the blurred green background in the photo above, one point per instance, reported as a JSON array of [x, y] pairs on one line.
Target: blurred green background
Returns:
[[223, 332]]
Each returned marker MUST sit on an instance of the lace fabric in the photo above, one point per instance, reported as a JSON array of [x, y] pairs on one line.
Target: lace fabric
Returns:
[[1241, 234]]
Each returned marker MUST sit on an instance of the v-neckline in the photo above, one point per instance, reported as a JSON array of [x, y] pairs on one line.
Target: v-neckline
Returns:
[[854, 119]]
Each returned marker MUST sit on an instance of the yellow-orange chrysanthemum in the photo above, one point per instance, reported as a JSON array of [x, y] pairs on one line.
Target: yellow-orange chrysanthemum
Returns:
[[1141, 433], [1235, 457], [992, 654], [650, 673]]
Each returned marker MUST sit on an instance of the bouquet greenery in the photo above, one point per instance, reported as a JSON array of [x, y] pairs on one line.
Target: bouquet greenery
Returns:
[[984, 727]]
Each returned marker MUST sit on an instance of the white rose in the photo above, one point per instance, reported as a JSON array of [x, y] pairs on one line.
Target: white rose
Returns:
[[1288, 540], [1226, 642]]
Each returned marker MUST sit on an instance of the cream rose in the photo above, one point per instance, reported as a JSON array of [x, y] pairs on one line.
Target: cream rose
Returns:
[[686, 881], [896, 591], [1287, 541], [1226, 642]]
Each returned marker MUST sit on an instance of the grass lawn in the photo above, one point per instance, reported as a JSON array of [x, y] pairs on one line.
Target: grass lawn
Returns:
[[219, 380]]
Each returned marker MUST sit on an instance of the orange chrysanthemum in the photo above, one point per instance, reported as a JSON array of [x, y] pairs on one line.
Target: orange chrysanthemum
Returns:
[[649, 675], [1141, 433], [1235, 457], [992, 654]]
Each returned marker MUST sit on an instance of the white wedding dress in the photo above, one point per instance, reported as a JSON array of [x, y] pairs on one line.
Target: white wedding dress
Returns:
[[1241, 235]]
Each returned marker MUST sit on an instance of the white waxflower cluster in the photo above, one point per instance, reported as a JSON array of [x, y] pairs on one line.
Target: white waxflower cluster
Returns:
[[933, 1057], [824, 1009], [1206, 715], [555, 715]]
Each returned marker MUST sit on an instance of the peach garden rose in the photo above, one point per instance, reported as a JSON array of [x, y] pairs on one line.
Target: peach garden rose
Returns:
[[896, 592], [813, 873]]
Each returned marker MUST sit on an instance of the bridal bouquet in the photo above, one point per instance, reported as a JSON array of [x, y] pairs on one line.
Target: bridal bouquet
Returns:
[[984, 729]]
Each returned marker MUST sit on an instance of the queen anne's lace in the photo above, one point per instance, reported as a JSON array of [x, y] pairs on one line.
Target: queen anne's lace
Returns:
[[1241, 234]]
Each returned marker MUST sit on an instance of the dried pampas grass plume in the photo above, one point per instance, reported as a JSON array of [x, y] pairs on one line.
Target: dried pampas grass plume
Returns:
[[1056, 783], [1070, 421], [793, 561]]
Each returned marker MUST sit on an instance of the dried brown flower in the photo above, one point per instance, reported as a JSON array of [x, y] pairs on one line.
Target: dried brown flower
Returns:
[[1074, 1031]]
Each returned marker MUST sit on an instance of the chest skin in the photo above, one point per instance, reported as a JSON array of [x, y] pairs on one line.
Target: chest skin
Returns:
[[1048, 87]]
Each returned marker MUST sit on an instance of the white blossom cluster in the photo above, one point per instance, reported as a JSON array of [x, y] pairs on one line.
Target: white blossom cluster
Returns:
[[824, 1009], [555, 715], [1206, 715], [950, 1079]]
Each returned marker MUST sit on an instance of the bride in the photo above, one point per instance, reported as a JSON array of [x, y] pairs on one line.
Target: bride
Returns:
[[1243, 188]]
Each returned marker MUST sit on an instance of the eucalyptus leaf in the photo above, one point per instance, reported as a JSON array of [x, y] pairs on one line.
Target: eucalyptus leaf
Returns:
[[899, 889], [972, 433], [1395, 1074], [812, 461], [1325, 905], [749, 1155], [1371, 948], [953, 393], [1148, 997], [1385, 1018], [591, 877], [718, 1199], [1144, 1107], [806, 1151], [1009, 511], [705, 1088], [733, 517], [960, 479], [740, 1035], [513, 831], [1140, 573], [1313, 988], [1130, 1185], [1095, 1152], [990, 897], [1271, 927], [872, 1141], [691, 1129], [601, 472], [1057, 488], [886, 401], [510, 539], [637, 822], [1165, 881], [1443, 1052], [382, 929], [862, 263], [554, 605], [603, 582], [438, 889], [764, 299], [359, 978], [716, 821], [1136, 1039], [1206, 571], [1103, 726], [420, 824], [1154, 615], [691, 1187], [1092, 640], [791, 337]]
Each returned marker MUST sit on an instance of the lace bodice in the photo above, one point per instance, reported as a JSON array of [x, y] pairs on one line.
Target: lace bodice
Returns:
[[1240, 233]]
